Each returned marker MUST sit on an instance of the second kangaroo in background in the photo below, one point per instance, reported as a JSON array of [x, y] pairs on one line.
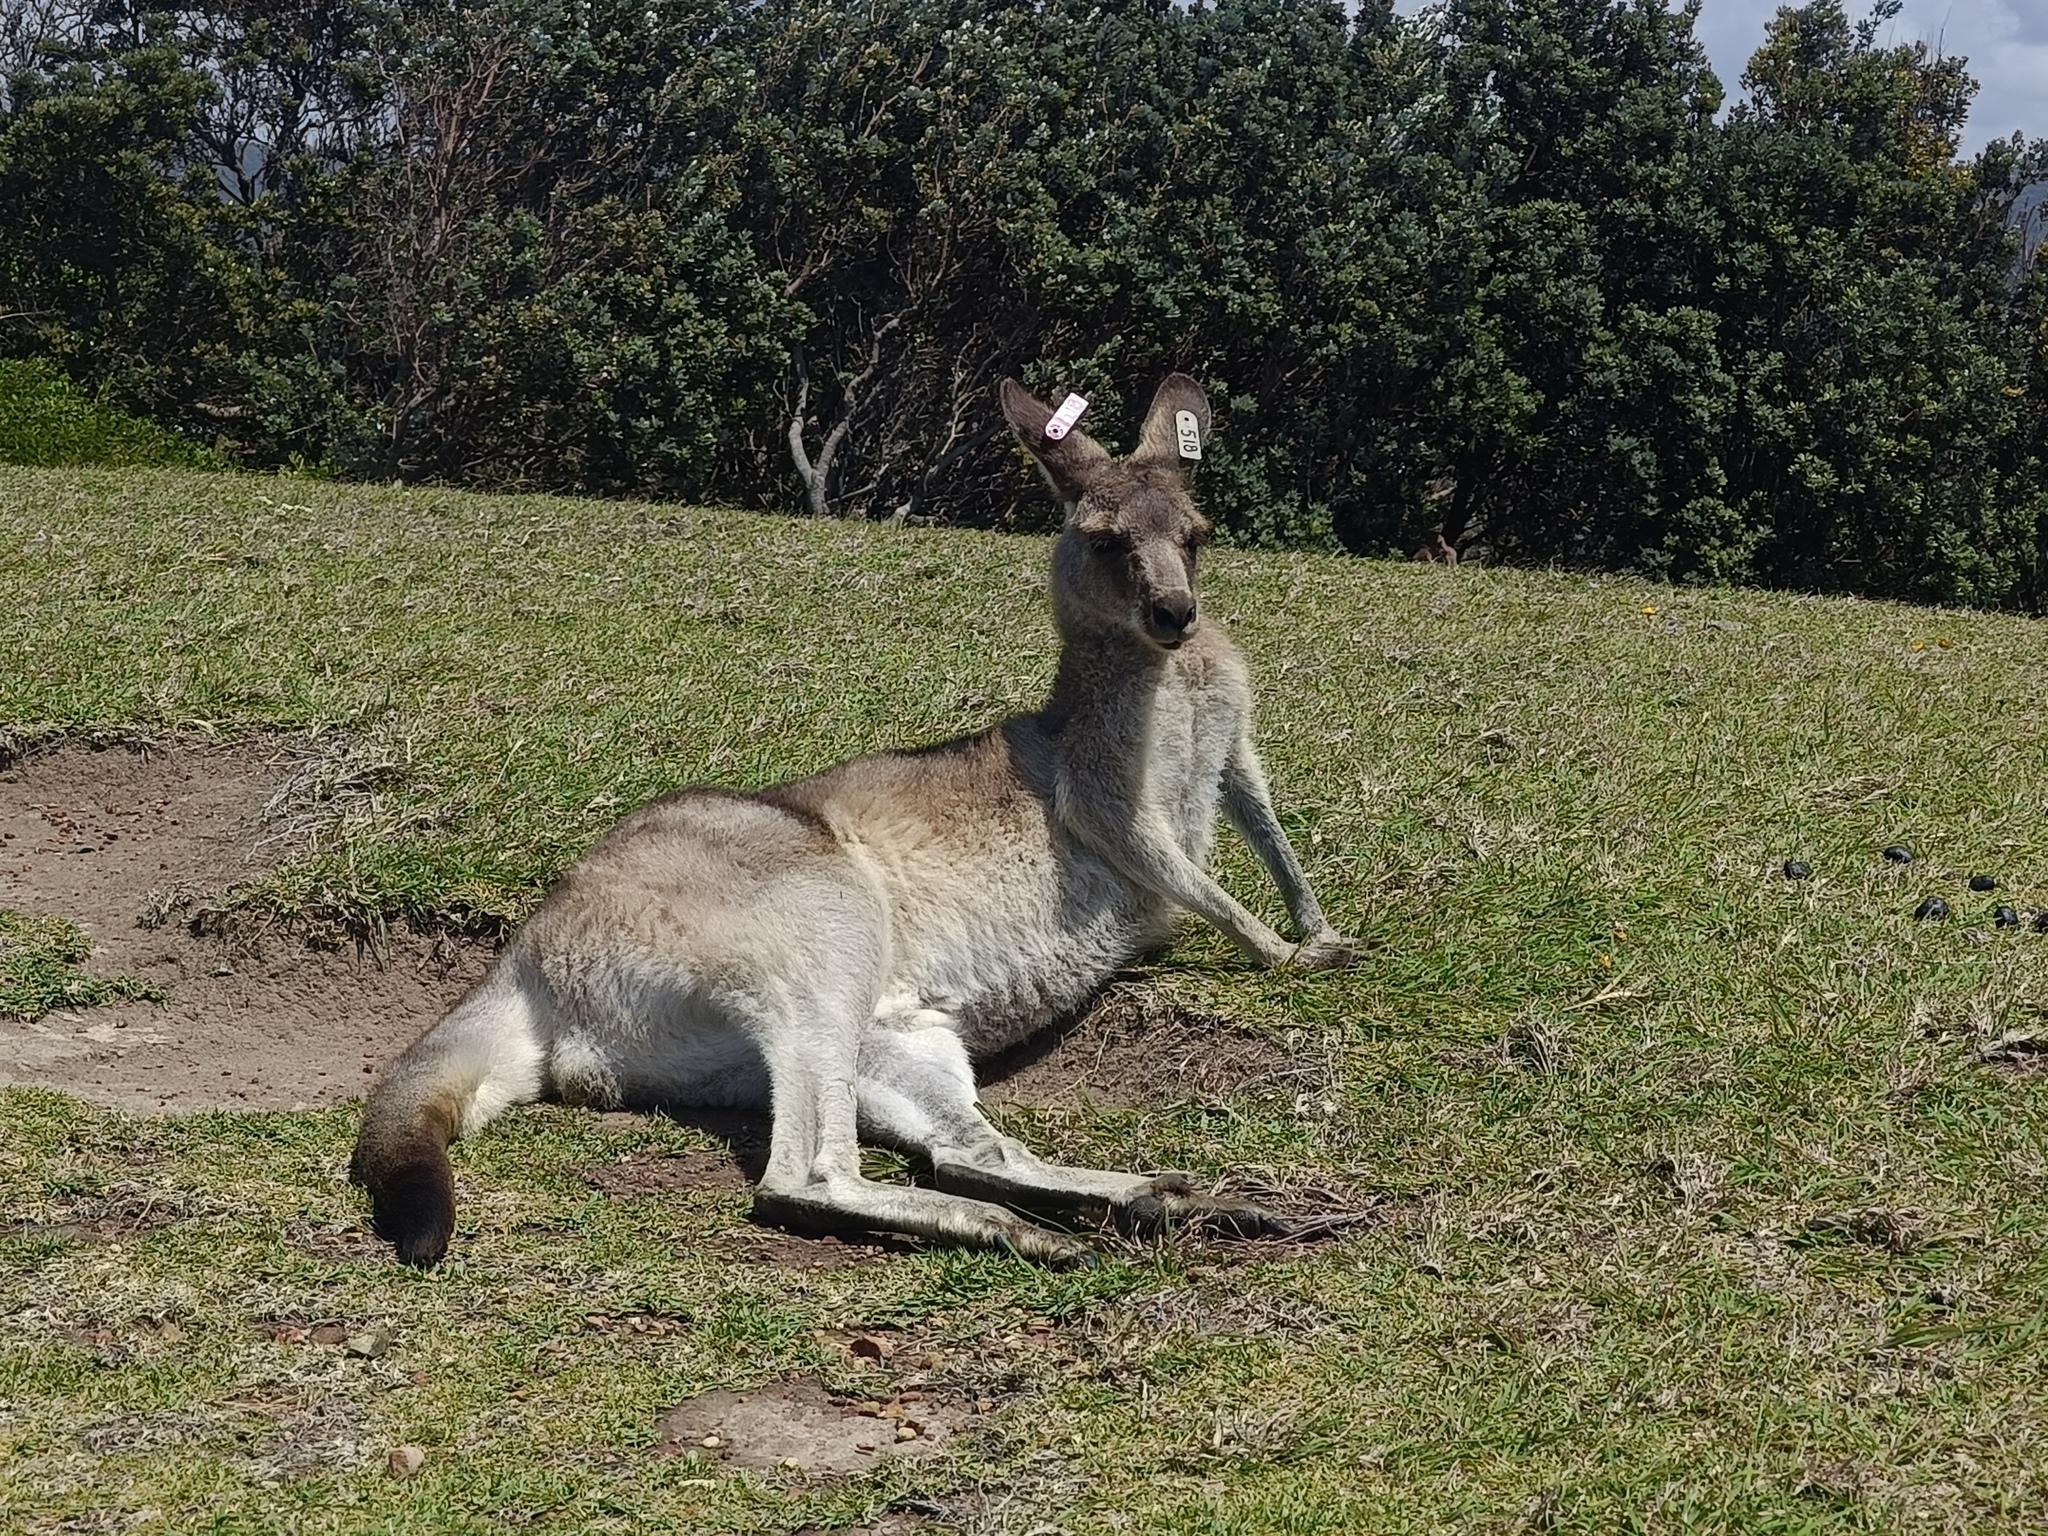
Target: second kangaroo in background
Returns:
[[841, 949]]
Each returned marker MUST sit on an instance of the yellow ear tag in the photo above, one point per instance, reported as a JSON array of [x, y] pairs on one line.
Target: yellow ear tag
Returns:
[[1190, 433]]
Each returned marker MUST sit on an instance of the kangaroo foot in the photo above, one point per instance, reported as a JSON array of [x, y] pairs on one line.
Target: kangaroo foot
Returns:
[[859, 1206], [1171, 1203]]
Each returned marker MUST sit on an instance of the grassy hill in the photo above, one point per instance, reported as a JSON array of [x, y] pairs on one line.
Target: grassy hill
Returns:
[[1696, 1202]]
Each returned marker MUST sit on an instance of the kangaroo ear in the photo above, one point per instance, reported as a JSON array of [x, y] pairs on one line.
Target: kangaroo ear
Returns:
[[1071, 463], [1167, 438]]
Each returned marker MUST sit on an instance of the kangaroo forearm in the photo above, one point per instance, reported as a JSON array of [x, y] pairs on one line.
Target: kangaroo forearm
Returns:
[[1277, 854], [1216, 906], [1251, 812], [1157, 865]]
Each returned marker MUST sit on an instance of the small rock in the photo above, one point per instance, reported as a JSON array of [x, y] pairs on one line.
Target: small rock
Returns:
[[403, 1461], [906, 1432], [1930, 910], [1898, 853], [1795, 870], [1983, 883], [711, 1442], [371, 1343], [2006, 917]]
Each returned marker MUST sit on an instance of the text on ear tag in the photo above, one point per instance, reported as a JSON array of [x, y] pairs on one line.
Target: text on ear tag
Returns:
[[1064, 418], [1190, 433]]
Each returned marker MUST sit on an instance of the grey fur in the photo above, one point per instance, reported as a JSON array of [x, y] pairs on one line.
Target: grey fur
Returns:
[[842, 948]]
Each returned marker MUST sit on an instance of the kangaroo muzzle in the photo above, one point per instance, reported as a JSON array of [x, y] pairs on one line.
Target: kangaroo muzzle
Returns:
[[1170, 620]]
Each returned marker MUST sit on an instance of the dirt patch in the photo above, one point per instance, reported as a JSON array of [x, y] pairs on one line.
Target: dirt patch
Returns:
[[127, 840], [984, 1365], [1138, 1048], [799, 1426], [824, 1252], [636, 1178]]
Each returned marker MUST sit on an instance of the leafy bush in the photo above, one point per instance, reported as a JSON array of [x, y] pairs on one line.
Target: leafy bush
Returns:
[[44, 419]]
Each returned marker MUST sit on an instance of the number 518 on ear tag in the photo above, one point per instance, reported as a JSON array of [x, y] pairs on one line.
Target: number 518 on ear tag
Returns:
[[1190, 434]]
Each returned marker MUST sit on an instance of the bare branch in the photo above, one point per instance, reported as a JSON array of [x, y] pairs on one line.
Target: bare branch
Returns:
[[816, 474]]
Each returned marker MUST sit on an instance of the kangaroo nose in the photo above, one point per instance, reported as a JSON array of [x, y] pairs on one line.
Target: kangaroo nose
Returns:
[[1173, 615]]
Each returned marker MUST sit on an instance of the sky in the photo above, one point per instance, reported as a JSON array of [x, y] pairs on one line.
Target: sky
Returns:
[[2006, 42]]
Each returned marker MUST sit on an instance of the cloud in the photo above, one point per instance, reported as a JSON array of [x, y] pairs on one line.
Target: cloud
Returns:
[[2005, 41]]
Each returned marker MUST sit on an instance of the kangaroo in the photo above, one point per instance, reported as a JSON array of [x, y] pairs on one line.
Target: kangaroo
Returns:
[[840, 950]]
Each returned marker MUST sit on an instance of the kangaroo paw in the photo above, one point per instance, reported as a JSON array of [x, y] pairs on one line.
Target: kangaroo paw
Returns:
[[1328, 951]]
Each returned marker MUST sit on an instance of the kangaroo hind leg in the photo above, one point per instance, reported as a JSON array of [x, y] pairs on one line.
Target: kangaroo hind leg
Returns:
[[814, 1183], [916, 1091]]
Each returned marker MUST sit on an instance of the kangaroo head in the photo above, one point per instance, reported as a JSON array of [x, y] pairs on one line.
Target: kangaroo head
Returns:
[[1126, 556]]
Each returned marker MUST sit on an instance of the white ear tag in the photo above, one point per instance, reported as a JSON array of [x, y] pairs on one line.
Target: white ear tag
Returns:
[[1064, 418], [1189, 432]]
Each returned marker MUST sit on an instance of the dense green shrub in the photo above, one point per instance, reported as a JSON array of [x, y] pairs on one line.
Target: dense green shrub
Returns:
[[45, 419], [1498, 280]]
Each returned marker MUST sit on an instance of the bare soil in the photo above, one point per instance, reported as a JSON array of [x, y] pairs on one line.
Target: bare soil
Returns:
[[117, 837], [1138, 1048], [798, 1425]]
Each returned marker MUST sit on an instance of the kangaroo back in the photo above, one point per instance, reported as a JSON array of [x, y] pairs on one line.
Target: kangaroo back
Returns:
[[483, 1056]]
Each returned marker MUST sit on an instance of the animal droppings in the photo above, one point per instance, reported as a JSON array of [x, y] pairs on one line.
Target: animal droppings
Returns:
[[1931, 909], [2006, 917], [1899, 853], [2041, 922], [1794, 870], [1983, 883]]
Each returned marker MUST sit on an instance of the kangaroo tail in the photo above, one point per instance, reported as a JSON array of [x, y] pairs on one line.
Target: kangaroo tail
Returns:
[[484, 1056]]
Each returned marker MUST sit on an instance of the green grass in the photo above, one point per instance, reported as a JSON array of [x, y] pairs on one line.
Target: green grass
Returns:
[[1701, 1209], [40, 959], [45, 420]]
